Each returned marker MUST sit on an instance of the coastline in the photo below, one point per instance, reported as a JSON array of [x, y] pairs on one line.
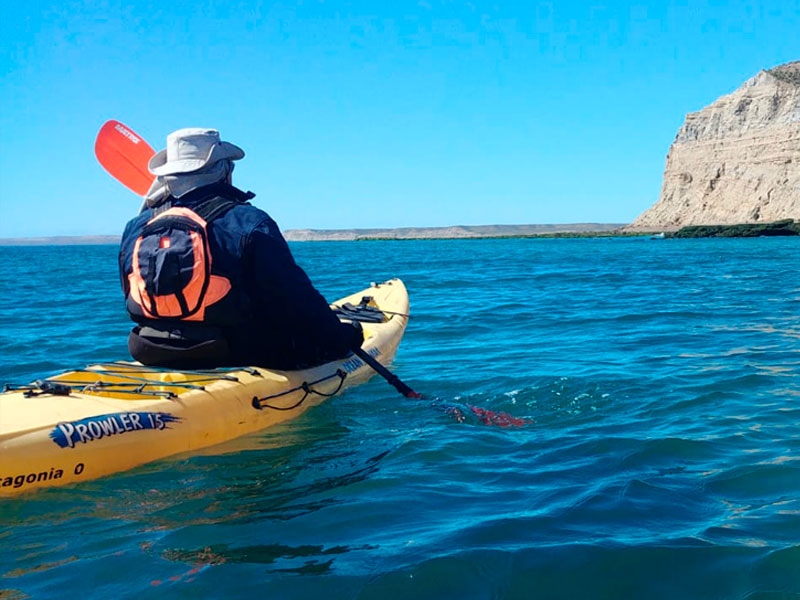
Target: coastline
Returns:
[[785, 227], [350, 235], [62, 240]]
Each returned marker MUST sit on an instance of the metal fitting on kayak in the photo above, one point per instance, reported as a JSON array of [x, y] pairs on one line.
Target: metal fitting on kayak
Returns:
[[43, 386]]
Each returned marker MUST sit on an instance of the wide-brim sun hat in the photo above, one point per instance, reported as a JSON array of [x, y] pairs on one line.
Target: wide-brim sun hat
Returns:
[[192, 149]]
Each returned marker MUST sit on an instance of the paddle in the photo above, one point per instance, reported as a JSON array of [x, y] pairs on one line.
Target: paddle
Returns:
[[489, 417], [125, 155], [393, 379]]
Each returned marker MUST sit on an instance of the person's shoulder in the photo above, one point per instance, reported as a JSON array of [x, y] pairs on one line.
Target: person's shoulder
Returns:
[[248, 220], [251, 210], [250, 214], [244, 209], [138, 222]]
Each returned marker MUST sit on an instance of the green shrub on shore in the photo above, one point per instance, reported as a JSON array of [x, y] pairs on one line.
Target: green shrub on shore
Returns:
[[776, 228]]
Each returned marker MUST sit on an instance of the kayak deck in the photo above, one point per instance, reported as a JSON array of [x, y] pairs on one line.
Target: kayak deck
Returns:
[[111, 417], [133, 380]]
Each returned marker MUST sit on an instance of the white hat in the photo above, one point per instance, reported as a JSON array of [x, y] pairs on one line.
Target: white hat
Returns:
[[192, 149]]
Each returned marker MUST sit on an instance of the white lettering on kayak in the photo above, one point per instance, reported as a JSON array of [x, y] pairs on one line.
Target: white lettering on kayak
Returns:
[[91, 429], [353, 364]]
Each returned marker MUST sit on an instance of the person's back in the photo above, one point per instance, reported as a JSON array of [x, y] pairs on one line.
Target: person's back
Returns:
[[209, 278]]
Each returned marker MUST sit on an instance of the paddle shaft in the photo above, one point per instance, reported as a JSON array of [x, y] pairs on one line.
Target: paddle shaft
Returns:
[[486, 416], [393, 379]]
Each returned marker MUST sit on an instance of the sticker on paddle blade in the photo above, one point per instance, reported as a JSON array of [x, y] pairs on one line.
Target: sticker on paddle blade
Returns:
[[125, 155]]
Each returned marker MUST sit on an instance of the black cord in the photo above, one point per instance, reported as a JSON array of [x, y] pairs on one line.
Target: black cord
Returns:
[[261, 403]]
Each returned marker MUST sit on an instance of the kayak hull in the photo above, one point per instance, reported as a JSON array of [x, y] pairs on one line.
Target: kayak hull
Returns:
[[137, 415]]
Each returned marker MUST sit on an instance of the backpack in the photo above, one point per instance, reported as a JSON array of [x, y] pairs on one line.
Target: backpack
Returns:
[[172, 275]]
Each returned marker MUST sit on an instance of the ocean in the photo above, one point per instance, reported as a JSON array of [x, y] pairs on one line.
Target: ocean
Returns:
[[659, 379]]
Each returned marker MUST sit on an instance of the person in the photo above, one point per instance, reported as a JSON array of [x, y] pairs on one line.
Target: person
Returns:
[[208, 278]]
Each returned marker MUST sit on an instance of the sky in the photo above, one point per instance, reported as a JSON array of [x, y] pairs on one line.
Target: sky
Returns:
[[373, 114]]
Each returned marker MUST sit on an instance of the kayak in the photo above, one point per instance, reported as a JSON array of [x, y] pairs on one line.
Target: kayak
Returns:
[[112, 417]]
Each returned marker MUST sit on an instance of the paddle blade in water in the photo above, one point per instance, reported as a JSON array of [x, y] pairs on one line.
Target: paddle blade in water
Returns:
[[125, 156], [501, 419]]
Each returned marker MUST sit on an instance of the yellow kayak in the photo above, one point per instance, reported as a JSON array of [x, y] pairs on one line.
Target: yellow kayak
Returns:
[[112, 417]]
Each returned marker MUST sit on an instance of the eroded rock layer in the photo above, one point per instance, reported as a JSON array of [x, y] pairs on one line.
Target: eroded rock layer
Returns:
[[735, 161]]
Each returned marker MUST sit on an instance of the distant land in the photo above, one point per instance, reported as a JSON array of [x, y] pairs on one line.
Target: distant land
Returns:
[[784, 227], [454, 232], [61, 240], [345, 235]]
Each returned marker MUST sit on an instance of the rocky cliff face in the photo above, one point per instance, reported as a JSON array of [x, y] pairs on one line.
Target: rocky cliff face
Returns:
[[735, 161]]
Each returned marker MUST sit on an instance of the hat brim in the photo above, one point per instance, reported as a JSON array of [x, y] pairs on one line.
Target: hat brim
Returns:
[[159, 165]]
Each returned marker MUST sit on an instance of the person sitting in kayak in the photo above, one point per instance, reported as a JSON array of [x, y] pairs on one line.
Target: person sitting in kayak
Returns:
[[210, 280]]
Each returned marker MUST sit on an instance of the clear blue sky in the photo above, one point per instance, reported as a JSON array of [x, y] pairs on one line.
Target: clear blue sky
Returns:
[[373, 114]]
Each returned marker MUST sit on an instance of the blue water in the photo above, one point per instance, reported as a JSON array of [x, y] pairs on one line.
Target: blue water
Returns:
[[661, 461]]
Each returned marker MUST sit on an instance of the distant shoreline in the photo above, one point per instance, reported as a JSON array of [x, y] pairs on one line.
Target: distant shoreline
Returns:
[[452, 232], [350, 235], [559, 235], [62, 240], [472, 232], [784, 227]]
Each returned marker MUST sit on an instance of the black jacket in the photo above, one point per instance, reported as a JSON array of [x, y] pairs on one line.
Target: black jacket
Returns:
[[272, 317]]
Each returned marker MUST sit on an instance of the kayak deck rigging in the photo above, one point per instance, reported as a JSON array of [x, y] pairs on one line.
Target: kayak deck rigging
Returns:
[[61, 385], [134, 380], [261, 403]]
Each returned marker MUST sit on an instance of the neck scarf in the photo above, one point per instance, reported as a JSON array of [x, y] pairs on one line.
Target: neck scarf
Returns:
[[182, 183]]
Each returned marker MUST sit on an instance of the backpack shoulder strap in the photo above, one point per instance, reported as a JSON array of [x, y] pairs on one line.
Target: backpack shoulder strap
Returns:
[[163, 207], [210, 209], [224, 198]]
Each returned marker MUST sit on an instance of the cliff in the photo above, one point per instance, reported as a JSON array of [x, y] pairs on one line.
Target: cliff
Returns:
[[735, 161]]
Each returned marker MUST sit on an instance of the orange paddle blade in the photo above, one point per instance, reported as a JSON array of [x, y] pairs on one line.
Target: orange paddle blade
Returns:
[[124, 155]]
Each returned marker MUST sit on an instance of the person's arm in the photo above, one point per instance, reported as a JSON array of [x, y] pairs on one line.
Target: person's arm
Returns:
[[282, 287]]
